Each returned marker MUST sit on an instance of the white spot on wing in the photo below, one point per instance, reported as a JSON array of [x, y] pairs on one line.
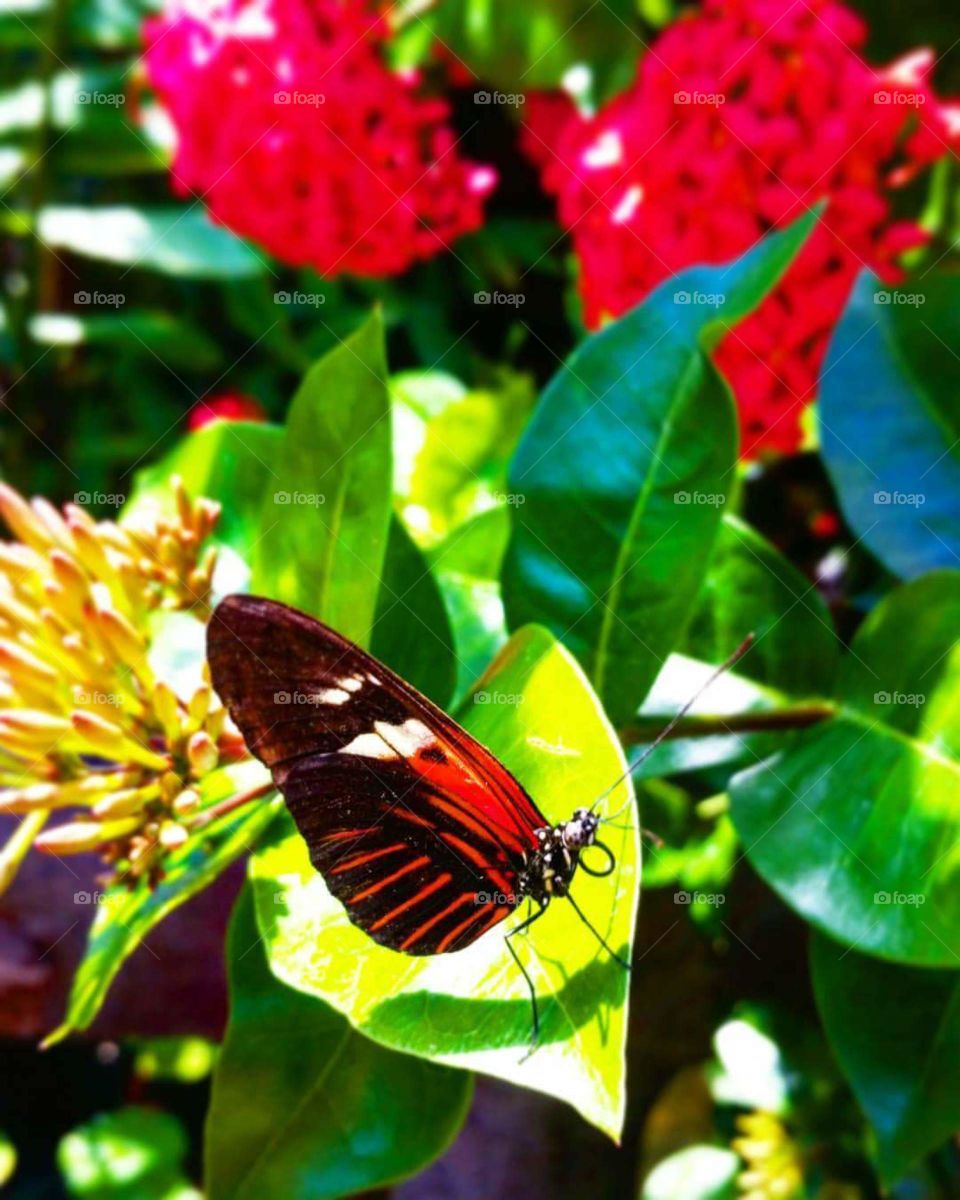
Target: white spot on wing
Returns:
[[350, 683], [390, 742], [370, 745], [407, 738], [330, 696]]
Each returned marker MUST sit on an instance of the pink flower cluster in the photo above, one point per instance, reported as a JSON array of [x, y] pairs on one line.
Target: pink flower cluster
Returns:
[[295, 133], [742, 116]]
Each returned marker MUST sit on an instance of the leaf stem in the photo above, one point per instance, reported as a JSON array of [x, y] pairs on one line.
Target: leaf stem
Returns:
[[800, 716]]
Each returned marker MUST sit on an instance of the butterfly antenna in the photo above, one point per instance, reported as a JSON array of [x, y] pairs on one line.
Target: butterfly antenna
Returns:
[[675, 721]]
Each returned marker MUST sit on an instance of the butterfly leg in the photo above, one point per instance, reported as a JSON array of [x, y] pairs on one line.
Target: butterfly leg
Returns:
[[522, 928], [596, 933]]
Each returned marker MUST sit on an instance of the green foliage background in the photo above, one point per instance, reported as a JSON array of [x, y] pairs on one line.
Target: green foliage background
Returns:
[[468, 525]]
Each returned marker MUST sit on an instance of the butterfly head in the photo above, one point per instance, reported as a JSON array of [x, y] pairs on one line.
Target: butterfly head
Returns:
[[580, 830]]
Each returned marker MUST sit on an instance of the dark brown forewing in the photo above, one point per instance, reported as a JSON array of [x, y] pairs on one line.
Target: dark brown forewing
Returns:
[[418, 830]]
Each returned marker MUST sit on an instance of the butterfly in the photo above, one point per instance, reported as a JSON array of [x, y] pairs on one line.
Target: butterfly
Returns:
[[421, 833]]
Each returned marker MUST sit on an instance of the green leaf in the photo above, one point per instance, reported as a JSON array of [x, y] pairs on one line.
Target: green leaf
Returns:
[[472, 1009], [622, 474], [452, 446], [411, 631], [233, 462], [751, 588], [176, 342], [324, 528], [533, 46], [302, 1105], [890, 421], [125, 916], [870, 795], [896, 1033], [131, 1154], [8, 1159], [467, 568], [174, 241], [694, 1173]]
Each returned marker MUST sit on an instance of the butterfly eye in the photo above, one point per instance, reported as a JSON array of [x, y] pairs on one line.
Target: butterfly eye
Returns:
[[609, 861]]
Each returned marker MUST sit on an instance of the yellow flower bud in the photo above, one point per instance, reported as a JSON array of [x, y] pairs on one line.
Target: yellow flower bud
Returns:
[[100, 736], [202, 753], [80, 836]]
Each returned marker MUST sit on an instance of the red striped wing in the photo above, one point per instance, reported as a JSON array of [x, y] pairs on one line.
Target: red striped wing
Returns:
[[417, 829]]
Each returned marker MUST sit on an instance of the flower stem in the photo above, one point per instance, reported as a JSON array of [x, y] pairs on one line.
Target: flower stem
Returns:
[[800, 716], [17, 847], [238, 800]]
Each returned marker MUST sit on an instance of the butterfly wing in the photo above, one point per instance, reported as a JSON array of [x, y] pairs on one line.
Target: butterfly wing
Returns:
[[418, 830]]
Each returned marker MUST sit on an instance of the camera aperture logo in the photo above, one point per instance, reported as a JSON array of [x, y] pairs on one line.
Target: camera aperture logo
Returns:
[[700, 899], [300, 499], [908, 899]]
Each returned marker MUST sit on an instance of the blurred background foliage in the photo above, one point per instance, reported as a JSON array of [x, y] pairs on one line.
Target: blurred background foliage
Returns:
[[754, 1070]]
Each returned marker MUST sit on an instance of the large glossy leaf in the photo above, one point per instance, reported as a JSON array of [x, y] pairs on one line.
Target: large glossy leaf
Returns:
[[452, 446], [622, 475], [751, 588], [871, 795], [466, 565], [324, 527], [173, 241], [890, 417], [896, 1033], [302, 1105], [125, 916], [472, 1009], [233, 462], [411, 629]]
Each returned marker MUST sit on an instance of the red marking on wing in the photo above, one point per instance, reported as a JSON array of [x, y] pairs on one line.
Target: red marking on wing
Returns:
[[425, 928], [497, 915], [388, 879], [477, 859], [439, 882], [341, 835], [359, 859]]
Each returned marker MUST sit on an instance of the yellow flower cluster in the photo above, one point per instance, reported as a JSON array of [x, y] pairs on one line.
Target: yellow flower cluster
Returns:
[[84, 722], [774, 1166]]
